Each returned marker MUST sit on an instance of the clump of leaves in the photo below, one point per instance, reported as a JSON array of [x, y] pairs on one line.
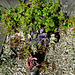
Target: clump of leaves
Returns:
[[73, 32], [14, 42], [6, 61], [24, 52], [43, 14], [72, 21], [10, 20], [72, 50]]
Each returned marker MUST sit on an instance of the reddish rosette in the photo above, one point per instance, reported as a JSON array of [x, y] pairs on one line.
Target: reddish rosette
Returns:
[[32, 62]]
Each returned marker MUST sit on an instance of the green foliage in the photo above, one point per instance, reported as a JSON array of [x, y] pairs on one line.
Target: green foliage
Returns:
[[39, 44], [66, 45], [74, 34], [45, 67], [72, 24], [24, 52], [72, 50], [3, 44], [15, 41], [6, 62], [27, 17], [73, 59]]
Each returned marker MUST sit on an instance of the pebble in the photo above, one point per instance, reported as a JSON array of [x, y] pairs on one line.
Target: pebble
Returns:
[[0, 70], [23, 69], [18, 69]]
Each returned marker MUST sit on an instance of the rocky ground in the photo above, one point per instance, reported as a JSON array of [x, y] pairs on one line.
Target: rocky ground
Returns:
[[61, 57]]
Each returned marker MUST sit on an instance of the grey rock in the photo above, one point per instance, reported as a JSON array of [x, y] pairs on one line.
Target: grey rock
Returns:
[[2, 37]]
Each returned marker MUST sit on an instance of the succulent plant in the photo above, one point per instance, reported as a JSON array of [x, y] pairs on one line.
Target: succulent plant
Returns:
[[13, 42], [32, 62], [24, 52], [39, 36]]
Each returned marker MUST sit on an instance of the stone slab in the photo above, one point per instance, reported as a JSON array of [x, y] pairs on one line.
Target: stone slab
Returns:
[[2, 36]]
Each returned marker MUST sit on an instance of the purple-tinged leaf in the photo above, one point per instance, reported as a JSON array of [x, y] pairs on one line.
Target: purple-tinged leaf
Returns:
[[45, 41], [43, 35], [41, 30]]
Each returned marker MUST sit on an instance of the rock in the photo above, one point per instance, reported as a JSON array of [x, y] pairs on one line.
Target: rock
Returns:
[[23, 69], [18, 69], [0, 70], [2, 37]]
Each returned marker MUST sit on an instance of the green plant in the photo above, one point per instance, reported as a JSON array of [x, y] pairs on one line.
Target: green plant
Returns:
[[66, 45], [6, 62], [73, 59], [32, 16], [24, 52], [3, 44], [72, 50], [72, 21], [73, 34], [13, 42]]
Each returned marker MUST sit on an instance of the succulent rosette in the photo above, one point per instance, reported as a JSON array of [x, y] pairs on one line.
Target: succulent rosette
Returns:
[[32, 62], [39, 36]]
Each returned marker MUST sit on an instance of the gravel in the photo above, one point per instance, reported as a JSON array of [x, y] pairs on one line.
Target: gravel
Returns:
[[59, 57]]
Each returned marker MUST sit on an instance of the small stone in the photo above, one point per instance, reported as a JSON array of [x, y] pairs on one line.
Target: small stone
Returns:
[[18, 69], [19, 65], [23, 69], [0, 70]]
